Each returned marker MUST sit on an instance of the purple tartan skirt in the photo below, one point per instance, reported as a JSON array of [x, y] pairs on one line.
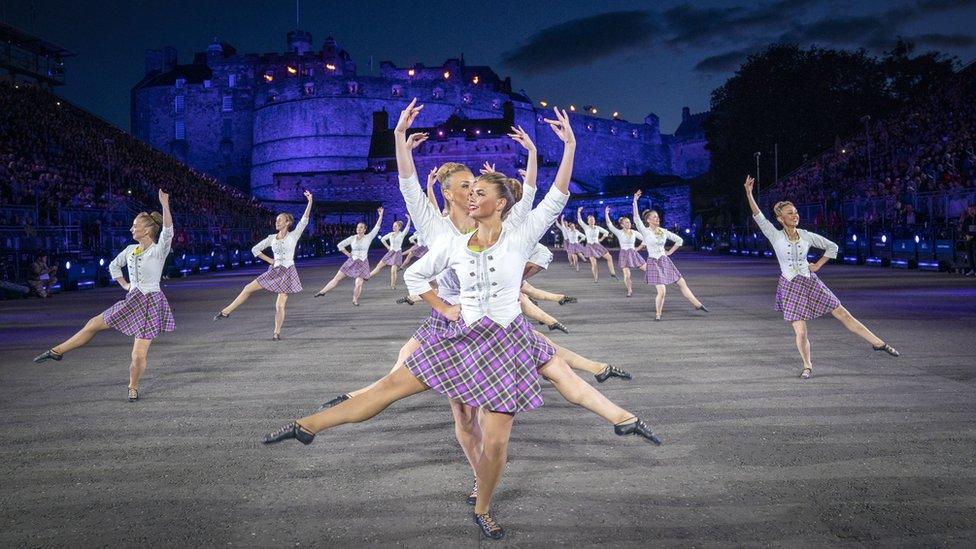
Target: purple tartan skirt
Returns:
[[281, 280], [141, 315], [661, 271], [433, 327], [418, 251], [804, 298], [630, 259], [595, 251], [574, 248], [485, 364], [355, 268], [393, 257]]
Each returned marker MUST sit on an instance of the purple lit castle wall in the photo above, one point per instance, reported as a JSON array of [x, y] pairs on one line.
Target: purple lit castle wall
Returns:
[[264, 122]]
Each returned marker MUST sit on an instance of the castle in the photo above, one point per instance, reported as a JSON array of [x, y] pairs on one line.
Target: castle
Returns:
[[276, 123]]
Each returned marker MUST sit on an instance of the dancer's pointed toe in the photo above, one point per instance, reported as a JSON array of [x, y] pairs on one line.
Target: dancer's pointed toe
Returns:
[[47, 355], [285, 432], [886, 348], [611, 371], [638, 428]]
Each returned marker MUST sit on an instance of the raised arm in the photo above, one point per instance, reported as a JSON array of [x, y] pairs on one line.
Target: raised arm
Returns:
[[579, 217], [564, 131], [431, 180], [749, 184], [765, 226], [613, 229], [521, 208], [406, 228], [376, 228], [532, 161], [303, 222], [166, 234], [638, 222], [404, 154]]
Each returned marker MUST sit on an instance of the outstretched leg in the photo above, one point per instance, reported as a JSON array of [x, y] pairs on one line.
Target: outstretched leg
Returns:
[[332, 284], [280, 312], [581, 393], [379, 267], [394, 386], [251, 287], [535, 312], [540, 295], [609, 260], [94, 325], [406, 350], [140, 352], [855, 326], [686, 291], [662, 290], [575, 361]]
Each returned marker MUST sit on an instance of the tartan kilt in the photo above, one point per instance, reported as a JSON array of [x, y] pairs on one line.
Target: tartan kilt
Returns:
[[141, 315], [355, 268], [485, 364], [630, 259], [419, 251], [661, 271], [432, 328], [804, 298], [595, 251], [393, 257], [280, 280]]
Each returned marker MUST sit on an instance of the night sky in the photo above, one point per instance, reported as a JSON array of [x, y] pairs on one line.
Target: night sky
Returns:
[[633, 57]]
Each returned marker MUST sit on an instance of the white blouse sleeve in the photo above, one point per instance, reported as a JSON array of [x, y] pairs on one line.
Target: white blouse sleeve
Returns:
[[422, 213], [601, 232], [765, 226], [299, 228], [115, 267], [421, 272], [347, 242], [165, 240], [521, 208], [830, 249], [386, 238], [678, 241], [541, 218], [261, 246]]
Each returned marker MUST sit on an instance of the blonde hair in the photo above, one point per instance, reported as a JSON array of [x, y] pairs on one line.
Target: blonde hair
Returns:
[[289, 217], [506, 187], [443, 176], [780, 206], [154, 222], [621, 218]]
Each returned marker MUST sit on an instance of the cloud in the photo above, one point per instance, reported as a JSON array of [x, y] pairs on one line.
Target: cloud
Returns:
[[693, 26], [581, 41], [943, 40], [723, 62]]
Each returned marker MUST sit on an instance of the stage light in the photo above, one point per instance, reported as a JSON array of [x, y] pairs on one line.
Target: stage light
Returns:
[[475, 80], [843, 151], [101, 262], [616, 114], [447, 75], [211, 254], [292, 70], [411, 72], [184, 256], [572, 108], [543, 104], [268, 77], [687, 231], [58, 103], [440, 133], [330, 66], [601, 202], [477, 132], [593, 110], [853, 238], [916, 239], [67, 264], [884, 238]]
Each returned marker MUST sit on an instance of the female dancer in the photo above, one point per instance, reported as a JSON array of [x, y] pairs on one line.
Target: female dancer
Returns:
[[629, 257], [357, 266], [145, 311], [418, 250], [571, 242], [281, 276], [393, 241], [660, 269], [444, 362], [800, 293], [594, 249]]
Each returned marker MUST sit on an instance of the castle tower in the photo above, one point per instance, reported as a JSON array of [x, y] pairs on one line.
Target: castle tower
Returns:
[[299, 42]]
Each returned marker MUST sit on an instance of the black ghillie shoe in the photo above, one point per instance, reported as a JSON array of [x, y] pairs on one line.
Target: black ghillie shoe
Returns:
[[566, 299], [405, 300], [638, 428], [884, 347], [133, 394], [319, 294], [534, 302], [613, 276], [337, 400], [488, 526], [473, 497], [220, 315], [558, 326], [292, 430], [609, 372], [702, 308], [276, 337], [47, 355]]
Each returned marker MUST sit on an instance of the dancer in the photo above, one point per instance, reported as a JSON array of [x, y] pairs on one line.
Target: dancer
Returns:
[[594, 249], [393, 241], [800, 295], [539, 261], [144, 312], [357, 266], [281, 276], [660, 269], [446, 360], [418, 250], [629, 258], [571, 242]]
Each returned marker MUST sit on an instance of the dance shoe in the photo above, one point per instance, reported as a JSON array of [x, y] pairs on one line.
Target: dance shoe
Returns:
[[47, 355], [558, 326], [133, 394], [806, 373], [702, 308], [473, 497], [566, 299], [884, 347], [337, 400], [638, 428], [609, 372], [292, 430], [276, 337], [613, 276], [488, 526], [319, 294], [405, 300], [219, 315]]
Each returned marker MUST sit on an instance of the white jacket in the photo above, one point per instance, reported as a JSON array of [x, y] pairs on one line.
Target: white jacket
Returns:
[[145, 269], [283, 249], [655, 239], [792, 255]]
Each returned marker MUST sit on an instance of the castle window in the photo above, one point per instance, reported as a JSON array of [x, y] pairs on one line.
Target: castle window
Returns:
[[308, 88], [227, 104], [496, 104], [634, 133], [231, 80], [613, 130], [589, 126], [179, 103], [227, 129], [180, 82], [179, 130], [352, 88], [466, 99], [397, 91], [207, 84], [272, 97], [438, 93], [539, 119]]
